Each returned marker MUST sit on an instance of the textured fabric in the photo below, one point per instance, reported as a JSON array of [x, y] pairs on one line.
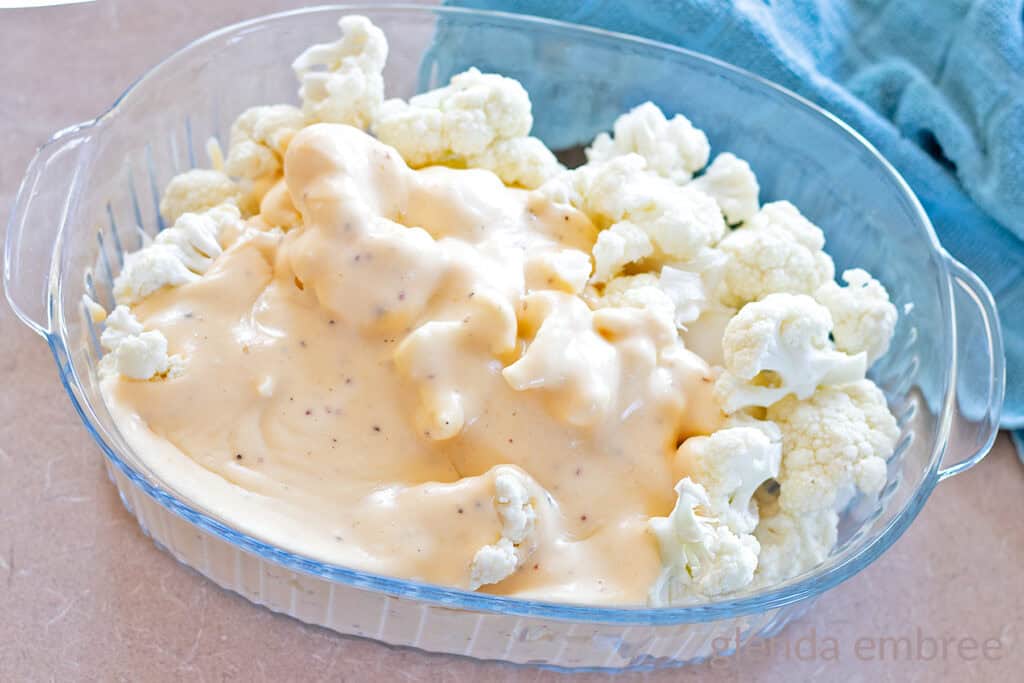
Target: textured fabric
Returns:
[[936, 86]]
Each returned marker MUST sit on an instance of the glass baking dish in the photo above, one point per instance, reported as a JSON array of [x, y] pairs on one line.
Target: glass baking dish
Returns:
[[91, 193]]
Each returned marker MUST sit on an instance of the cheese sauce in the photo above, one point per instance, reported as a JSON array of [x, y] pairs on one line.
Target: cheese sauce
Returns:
[[351, 384]]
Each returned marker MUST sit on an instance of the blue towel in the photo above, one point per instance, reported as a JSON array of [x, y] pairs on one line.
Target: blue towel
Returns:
[[936, 85]]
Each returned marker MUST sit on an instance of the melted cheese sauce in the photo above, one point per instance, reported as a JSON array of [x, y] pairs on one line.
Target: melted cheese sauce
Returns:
[[351, 384]]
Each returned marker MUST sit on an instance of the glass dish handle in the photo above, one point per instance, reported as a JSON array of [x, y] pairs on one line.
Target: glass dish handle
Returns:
[[981, 368], [39, 213]]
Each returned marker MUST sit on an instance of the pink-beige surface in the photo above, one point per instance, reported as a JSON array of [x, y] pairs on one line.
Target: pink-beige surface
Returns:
[[85, 596]]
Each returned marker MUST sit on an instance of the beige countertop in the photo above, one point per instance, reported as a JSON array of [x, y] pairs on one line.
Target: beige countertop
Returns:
[[85, 596]]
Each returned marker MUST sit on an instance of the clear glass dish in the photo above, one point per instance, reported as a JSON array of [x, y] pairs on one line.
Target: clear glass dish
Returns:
[[93, 189]]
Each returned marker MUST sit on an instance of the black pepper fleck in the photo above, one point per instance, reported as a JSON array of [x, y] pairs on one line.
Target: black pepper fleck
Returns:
[[376, 428]]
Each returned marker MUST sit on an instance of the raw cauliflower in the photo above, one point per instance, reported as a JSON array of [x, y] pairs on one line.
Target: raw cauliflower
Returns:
[[792, 543], [730, 182], [178, 255], [637, 291], [132, 351], [341, 82], [692, 284], [620, 195], [777, 250], [478, 120], [700, 557], [839, 436], [779, 346], [525, 162], [864, 317], [197, 190], [259, 139], [617, 247], [512, 501], [731, 464], [673, 148]]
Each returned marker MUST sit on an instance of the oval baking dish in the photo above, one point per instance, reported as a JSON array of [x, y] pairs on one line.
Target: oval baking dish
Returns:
[[92, 191]]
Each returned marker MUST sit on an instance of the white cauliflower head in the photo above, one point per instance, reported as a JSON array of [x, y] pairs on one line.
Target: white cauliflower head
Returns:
[[178, 255], [647, 215], [777, 250], [792, 543], [700, 557], [617, 247], [673, 148], [839, 436], [637, 291], [731, 464], [341, 82], [779, 346], [460, 121], [692, 284], [259, 139], [132, 351], [525, 161], [730, 182], [196, 190], [864, 317], [514, 505]]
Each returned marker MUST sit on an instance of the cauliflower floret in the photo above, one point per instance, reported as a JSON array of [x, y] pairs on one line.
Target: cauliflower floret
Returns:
[[784, 216], [350, 88], [673, 148], [681, 221], [792, 543], [133, 352], [864, 317], [840, 435], [778, 250], [637, 291], [700, 557], [595, 188], [196, 190], [463, 120], [259, 139], [178, 255], [495, 562], [731, 464], [779, 346], [619, 245], [678, 224], [733, 185], [525, 162], [691, 285]]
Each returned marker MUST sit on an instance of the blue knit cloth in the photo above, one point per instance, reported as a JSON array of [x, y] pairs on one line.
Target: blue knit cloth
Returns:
[[936, 85]]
